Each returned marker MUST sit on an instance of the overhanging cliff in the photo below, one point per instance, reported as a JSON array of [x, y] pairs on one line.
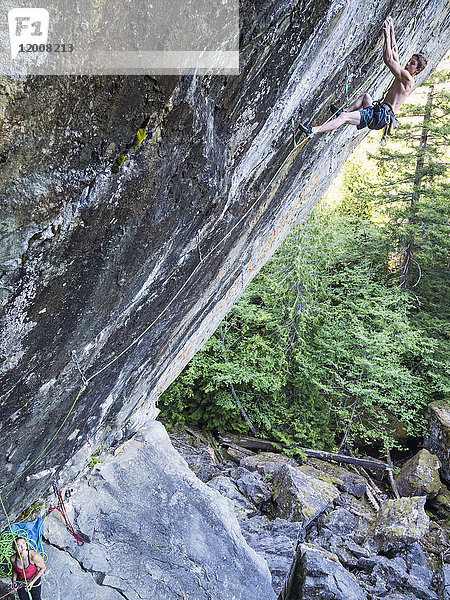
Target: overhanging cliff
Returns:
[[110, 283]]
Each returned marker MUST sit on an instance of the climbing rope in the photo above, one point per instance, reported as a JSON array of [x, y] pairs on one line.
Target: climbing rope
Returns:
[[7, 548], [21, 560], [62, 510], [86, 380]]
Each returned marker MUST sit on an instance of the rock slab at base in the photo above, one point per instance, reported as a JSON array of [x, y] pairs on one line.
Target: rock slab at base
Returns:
[[156, 531]]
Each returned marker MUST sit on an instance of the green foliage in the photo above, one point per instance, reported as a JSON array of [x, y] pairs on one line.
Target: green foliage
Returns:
[[325, 347], [95, 456]]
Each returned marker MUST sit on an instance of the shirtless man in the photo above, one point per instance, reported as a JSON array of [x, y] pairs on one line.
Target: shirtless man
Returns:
[[362, 112]]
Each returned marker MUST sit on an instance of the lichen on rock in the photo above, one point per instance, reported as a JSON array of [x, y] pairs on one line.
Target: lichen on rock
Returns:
[[398, 524], [419, 476], [300, 493]]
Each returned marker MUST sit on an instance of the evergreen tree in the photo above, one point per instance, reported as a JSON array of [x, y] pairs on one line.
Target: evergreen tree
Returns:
[[343, 331]]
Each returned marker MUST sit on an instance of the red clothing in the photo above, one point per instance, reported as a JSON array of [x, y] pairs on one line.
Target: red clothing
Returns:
[[27, 573]]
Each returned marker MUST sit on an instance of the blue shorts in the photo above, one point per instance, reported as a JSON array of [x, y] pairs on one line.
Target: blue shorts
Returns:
[[375, 117]]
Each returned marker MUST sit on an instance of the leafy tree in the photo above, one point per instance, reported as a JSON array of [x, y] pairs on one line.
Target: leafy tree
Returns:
[[344, 329]]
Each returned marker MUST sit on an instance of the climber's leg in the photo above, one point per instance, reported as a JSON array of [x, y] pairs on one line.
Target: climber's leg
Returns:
[[351, 118], [363, 101]]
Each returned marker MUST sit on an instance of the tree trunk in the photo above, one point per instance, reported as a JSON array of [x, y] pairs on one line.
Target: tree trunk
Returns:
[[233, 391], [405, 278], [244, 441]]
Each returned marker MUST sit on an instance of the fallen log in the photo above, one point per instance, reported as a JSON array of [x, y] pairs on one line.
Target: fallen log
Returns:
[[251, 443]]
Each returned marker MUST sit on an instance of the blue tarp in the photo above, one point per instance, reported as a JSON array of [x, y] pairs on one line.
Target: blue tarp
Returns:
[[31, 531]]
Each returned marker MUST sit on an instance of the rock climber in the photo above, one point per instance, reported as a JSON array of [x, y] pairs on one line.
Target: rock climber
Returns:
[[27, 569], [363, 112]]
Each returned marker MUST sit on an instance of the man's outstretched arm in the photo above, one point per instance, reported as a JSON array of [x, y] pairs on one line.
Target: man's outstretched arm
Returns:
[[393, 42], [390, 55]]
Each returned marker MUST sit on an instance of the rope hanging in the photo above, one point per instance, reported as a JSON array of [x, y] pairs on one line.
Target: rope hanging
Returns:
[[87, 380], [62, 510]]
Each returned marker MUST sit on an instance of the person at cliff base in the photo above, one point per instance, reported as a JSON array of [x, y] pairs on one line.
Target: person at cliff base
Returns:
[[27, 569], [363, 112]]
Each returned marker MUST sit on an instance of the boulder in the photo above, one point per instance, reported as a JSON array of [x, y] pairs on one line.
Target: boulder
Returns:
[[332, 543], [357, 550], [399, 523], [438, 438], [242, 506], [266, 463], [419, 476], [275, 540], [334, 533], [300, 493], [341, 521], [235, 455], [446, 582], [443, 497], [417, 564], [344, 480], [251, 485], [318, 575], [391, 575], [156, 531]]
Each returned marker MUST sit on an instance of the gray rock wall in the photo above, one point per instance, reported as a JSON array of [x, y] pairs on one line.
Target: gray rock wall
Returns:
[[134, 271], [154, 531]]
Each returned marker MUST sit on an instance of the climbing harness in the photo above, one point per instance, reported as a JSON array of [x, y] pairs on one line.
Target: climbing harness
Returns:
[[62, 510], [389, 129]]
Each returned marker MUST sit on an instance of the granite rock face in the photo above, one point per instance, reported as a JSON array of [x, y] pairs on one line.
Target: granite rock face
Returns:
[[154, 530], [110, 283]]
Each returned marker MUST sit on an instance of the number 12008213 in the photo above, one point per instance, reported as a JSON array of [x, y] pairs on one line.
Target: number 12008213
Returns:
[[46, 47]]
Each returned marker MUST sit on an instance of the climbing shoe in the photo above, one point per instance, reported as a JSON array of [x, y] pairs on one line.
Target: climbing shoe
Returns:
[[335, 110], [306, 129]]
